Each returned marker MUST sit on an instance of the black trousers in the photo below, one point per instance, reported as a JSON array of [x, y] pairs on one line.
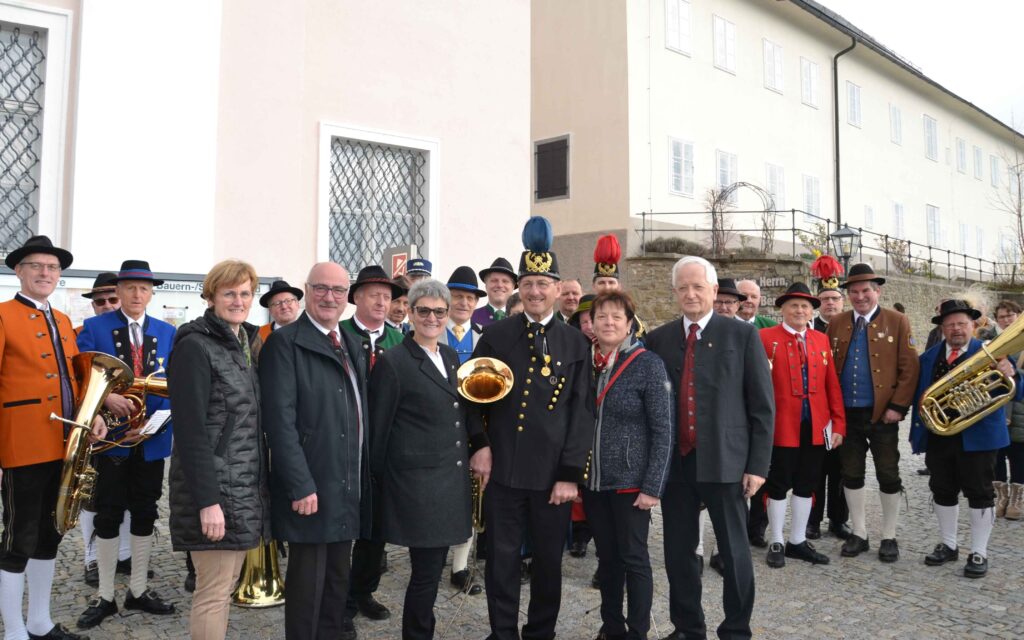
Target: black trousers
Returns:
[[128, 483], [508, 512], [418, 613], [954, 470], [829, 496], [315, 589], [757, 517], [680, 511], [796, 468], [882, 440], [620, 535], [29, 496], [367, 556], [1013, 454]]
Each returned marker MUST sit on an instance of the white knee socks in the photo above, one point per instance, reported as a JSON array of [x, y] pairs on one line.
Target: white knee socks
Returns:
[[12, 592], [141, 546], [890, 514], [85, 519], [947, 523], [460, 554], [700, 533], [125, 551], [776, 519], [39, 575], [858, 519], [106, 565], [981, 529], [801, 514]]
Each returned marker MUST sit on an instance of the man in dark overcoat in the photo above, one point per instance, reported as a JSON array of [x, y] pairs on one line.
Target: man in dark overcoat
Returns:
[[313, 382]]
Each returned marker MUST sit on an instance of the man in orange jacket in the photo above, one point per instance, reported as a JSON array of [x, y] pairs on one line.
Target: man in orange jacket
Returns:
[[37, 344]]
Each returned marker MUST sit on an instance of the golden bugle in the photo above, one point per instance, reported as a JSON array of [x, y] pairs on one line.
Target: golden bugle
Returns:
[[118, 428], [483, 380], [259, 583], [974, 388]]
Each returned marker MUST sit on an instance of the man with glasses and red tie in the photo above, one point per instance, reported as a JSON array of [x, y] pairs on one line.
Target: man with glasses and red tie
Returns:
[[282, 300], [313, 383]]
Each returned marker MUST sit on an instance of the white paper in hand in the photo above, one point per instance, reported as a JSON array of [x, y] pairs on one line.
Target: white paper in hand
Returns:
[[828, 436], [156, 422]]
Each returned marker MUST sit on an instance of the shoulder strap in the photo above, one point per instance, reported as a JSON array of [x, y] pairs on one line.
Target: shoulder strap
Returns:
[[615, 376]]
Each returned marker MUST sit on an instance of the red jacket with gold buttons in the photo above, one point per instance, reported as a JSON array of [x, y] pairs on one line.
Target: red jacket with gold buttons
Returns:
[[30, 384], [823, 390]]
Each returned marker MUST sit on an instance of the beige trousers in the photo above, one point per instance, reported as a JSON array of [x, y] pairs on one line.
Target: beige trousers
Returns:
[[216, 575]]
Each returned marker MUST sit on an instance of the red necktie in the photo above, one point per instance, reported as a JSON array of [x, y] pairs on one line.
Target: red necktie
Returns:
[[953, 355], [687, 401]]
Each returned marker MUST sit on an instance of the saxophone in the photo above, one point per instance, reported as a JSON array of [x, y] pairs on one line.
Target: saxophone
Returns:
[[98, 375]]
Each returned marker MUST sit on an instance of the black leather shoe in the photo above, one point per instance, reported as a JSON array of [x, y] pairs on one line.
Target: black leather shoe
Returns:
[[525, 572], [369, 607], [854, 546], [594, 582], [805, 551], [924, 471], [190, 581], [348, 630], [888, 550], [717, 564], [578, 550], [124, 567], [58, 632], [776, 555], [757, 540], [941, 555], [92, 574], [813, 531], [149, 602], [841, 530], [460, 579], [977, 566], [98, 611]]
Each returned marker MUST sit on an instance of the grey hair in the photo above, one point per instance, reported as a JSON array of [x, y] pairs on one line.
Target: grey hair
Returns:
[[429, 288], [756, 286], [709, 269]]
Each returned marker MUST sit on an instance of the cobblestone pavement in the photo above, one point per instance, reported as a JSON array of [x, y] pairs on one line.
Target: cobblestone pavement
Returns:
[[850, 598]]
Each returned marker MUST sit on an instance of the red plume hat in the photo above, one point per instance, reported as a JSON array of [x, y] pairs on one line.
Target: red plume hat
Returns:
[[607, 254]]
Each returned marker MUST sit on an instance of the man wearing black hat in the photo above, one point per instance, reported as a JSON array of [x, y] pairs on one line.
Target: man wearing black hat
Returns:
[[809, 419], [500, 281], [728, 299], [463, 334], [962, 462], [282, 300], [371, 293], [878, 367], [102, 296], [129, 478], [36, 346], [533, 453]]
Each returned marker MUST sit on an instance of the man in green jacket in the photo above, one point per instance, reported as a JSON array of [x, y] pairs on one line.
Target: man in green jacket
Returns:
[[749, 307]]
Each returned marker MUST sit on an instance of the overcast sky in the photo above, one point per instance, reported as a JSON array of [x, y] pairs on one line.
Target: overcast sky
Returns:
[[975, 49]]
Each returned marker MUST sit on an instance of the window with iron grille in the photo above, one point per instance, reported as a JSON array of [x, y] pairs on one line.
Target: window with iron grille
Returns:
[[551, 160], [378, 200], [22, 66]]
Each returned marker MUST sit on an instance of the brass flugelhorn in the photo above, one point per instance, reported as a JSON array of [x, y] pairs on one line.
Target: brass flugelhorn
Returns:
[[259, 583], [136, 393]]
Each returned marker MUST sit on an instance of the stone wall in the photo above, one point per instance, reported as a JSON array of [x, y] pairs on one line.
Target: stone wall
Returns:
[[650, 280]]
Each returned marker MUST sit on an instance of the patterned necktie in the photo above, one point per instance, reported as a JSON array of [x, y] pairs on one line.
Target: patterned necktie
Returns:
[[459, 331], [137, 355], [498, 315], [66, 395], [687, 393], [805, 410], [861, 324]]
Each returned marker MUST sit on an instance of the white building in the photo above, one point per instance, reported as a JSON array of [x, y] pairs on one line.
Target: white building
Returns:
[[281, 133], [662, 100]]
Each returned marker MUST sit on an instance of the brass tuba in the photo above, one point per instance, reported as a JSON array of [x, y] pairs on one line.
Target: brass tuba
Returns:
[[483, 380], [98, 375], [259, 583], [974, 388], [118, 428]]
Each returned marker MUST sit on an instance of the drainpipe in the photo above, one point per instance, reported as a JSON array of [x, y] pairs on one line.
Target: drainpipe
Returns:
[[835, 118]]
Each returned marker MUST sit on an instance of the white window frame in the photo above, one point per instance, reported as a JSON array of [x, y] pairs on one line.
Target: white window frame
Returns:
[[812, 197], [773, 66], [898, 222], [931, 138], [933, 225], [685, 177], [731, 169], [965, 237], [853, 110], [979, 241], [895, 124], [723, 37], [993, 166], [678, 26], [961, 155], [56, 79], [775, 183], [869, 217], [979, 163], [809, 82], [432, 147]]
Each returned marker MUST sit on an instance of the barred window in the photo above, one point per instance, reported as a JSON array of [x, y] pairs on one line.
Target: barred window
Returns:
[[22, 68], [378, 200]]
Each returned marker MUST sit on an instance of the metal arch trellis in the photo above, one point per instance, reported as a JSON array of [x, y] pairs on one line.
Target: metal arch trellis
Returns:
[[378, 199], [720, 201], [22, 60]]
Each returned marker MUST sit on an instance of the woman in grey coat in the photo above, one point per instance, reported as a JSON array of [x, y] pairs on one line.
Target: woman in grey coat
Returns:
[[419, 451], [629, 463]]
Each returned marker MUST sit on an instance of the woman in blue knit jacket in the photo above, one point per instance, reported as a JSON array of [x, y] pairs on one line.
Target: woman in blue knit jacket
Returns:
[[629, 463]]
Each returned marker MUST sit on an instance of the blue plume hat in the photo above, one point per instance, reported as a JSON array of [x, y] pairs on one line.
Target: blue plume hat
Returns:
[[538, 259]]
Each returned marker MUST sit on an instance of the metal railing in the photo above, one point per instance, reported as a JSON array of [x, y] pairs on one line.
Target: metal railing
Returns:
[[807, 231]]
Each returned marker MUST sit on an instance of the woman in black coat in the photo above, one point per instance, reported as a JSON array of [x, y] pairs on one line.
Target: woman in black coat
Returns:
[[419, 454]]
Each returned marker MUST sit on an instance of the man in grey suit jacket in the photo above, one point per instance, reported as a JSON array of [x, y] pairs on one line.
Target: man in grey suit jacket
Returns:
[[723, 447]]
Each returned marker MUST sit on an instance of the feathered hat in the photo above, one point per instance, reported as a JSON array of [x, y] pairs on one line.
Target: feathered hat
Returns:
[[607, 254], [827, 270], [538, 259]]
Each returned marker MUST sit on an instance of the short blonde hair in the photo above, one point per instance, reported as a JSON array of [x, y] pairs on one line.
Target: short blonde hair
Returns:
[[229, 273]]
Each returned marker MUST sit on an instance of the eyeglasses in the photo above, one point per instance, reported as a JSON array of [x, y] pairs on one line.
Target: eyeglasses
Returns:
[[322, 289], [284, 301], [728, 303], [99, 302], [424, 312], [235, 295], [42, 266]]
